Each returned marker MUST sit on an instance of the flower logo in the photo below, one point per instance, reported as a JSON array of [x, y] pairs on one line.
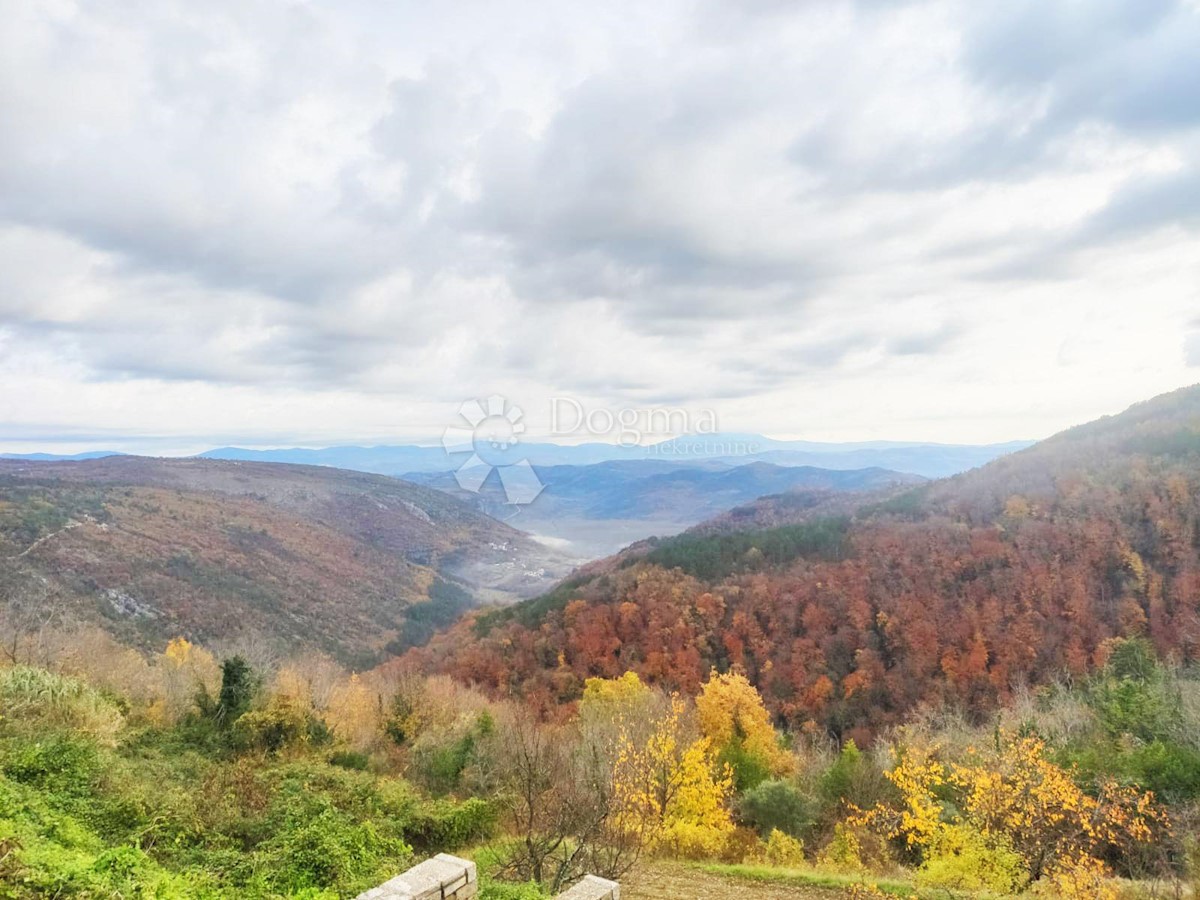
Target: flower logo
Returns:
[[495, 429]]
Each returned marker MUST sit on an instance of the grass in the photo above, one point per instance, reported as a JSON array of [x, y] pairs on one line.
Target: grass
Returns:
[[805, 877]]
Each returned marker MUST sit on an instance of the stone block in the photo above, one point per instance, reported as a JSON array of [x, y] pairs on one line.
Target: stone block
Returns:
[[592, 887], [444, 877]]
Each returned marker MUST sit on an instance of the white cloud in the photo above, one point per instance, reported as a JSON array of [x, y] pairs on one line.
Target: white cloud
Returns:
[[299, 222]]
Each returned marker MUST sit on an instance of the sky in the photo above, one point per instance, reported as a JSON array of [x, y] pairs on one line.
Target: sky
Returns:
[[309, 223]]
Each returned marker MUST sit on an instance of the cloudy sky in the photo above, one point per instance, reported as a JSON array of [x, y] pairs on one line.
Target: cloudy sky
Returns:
[[321, 222]]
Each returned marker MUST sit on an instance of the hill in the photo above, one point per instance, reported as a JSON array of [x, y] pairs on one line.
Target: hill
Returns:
[[598, 509], [348, 562], [952, 592]]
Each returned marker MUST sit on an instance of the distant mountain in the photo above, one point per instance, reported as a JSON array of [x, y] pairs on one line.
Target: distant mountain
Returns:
[[847, 618], [348, 562], [598, 509], [926, 460], [60, 457]]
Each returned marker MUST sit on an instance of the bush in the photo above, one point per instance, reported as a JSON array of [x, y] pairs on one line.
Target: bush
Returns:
[[843, 853], [1135, 694], [60, 765], [783, 850], [439, 758], [34, 698], [446, 825], [961, 858], [748, 768], [282, 724], [777, 806], [490, 889], [316, 845], [350, 759], [326, 851], [852, 779]]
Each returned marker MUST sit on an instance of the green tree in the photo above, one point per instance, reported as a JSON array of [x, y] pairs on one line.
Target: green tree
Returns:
[[1135, 694], [239, 684], [777, 806]]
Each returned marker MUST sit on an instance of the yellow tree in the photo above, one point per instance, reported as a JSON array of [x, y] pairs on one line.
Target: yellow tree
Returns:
[[731, 714], [184, 669], [1018, 793], [668, 785], [1019, 801], [354, 712]]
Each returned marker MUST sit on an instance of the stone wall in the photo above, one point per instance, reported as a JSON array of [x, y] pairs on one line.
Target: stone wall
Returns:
[[444, 877]]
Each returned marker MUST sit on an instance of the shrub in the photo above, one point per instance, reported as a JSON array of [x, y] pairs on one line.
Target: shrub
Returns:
[[777, 806], [446, 825], [1135, 694], [315, 845], [960, 857], [783, 850], [1077, 877], [350, 759], [281, 724], [35, 698], [853, 779], [843, 853], [239, 685], [490, 889], [58, 765], [439, 757]]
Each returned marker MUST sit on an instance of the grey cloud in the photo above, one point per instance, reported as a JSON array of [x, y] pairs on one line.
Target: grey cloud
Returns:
[[252, 184], [1191, 349], [1148, 204], [924, 343]]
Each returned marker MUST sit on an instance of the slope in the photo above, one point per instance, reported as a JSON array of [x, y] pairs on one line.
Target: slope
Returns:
[[341, 560], [953, 592]]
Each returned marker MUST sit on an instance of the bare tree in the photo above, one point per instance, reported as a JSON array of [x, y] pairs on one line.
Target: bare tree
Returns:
[[557, 787], [30, 606]]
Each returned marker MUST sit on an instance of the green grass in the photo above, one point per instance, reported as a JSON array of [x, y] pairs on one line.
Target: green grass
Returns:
[[815, 878], [804, 877]]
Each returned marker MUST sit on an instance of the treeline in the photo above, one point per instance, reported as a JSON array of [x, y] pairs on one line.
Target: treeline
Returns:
[[715, 556]]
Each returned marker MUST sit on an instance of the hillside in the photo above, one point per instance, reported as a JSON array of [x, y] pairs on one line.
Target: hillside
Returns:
[[956, 591], [344, 561], [598, 509]]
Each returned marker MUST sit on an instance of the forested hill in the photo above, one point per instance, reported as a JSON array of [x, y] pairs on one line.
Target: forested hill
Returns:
[[955, 591], [212, 550]]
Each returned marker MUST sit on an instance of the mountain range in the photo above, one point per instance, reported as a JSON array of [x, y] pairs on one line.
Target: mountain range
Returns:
[[929, 460]]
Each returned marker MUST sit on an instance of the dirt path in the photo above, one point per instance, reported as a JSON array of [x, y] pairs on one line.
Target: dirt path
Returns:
[[670, 881]]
